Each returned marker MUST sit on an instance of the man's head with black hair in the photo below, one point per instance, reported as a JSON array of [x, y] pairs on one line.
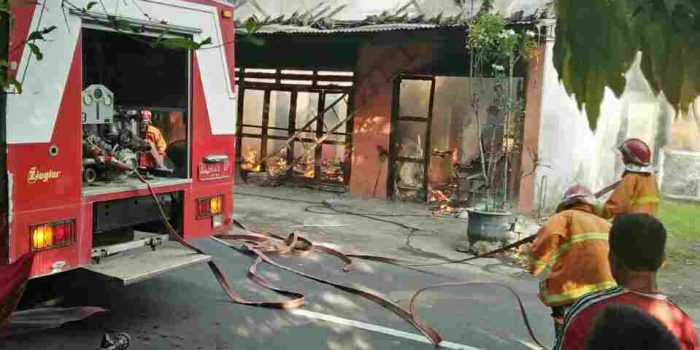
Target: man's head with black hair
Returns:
[[622, 327], [637, 245]]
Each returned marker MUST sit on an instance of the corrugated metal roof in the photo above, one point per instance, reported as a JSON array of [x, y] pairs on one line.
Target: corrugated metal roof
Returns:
[[359, 10], [366, 16], [290, 29]]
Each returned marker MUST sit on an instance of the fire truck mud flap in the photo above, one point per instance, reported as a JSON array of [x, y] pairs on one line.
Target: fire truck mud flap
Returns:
[[141, 264]]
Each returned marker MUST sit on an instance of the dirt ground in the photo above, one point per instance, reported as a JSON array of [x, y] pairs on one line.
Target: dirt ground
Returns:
[[680, 278]]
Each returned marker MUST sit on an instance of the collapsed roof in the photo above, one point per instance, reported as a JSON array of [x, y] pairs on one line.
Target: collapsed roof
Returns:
[[357, 16]]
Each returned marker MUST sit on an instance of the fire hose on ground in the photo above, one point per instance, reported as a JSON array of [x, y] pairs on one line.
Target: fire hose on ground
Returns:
[[261, 246]]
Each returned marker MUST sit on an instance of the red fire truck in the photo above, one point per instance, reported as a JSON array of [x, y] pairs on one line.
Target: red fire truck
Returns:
[[76, 133]]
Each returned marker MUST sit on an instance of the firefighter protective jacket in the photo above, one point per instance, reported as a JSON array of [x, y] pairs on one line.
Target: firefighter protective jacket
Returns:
[[637, 193], [574, 244], [154, 135]]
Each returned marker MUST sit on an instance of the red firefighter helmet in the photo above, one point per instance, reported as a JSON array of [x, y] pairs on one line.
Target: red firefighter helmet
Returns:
[[146, 116], [576, 194], [636, 151]]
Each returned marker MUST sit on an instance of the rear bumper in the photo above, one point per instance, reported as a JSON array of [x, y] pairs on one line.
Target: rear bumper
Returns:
[[80, 253]]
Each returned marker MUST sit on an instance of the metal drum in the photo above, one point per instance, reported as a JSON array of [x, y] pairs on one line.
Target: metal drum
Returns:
[[488, 226]]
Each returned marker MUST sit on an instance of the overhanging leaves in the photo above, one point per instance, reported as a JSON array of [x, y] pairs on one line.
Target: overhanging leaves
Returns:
[[181, 43], [36, 51], [251, 25], [39, 34], [18, 86], [597, 40]]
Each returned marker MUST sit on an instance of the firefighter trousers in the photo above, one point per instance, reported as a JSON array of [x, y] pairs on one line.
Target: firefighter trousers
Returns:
[[558, 315]]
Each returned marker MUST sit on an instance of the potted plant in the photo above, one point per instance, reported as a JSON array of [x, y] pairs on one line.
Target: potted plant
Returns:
[[495, 50]]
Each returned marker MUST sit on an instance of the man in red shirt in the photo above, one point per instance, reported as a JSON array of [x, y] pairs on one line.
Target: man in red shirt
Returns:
[[637, 244], [622, 327]]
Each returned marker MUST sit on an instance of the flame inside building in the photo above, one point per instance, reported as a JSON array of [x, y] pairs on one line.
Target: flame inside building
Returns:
[[331, 168], [297, 129], [250, 160]]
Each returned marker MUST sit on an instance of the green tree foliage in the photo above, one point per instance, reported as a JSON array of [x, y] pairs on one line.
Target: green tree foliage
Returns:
[[251, 25], [6, 21], [491, 44], [598, 40]]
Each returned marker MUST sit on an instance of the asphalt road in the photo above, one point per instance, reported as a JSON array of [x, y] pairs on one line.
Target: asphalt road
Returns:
[[187, 309]]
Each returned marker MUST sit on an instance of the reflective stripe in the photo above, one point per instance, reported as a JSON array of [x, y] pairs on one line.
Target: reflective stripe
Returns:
[[574, 294], [645, 200], [577, 238], [539, 265]]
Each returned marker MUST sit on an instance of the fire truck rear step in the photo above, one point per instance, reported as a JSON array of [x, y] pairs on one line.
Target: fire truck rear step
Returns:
[[141, 239], [136, 265]]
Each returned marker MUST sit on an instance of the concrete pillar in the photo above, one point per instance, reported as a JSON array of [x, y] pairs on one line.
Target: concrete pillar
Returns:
[[532, 125]]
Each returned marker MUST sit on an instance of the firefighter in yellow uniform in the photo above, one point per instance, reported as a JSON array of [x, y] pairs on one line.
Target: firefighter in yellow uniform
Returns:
[[638, 191], [154, 137], [574, 245]]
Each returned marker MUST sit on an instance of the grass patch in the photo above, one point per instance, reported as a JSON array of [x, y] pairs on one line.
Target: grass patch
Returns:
[[682, 222], [681, 219]]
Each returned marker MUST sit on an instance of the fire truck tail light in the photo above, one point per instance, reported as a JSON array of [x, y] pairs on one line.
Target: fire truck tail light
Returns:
[[210, 206], [61, 232], [52, 235], [215, 204], [202, 208], [41, 237]]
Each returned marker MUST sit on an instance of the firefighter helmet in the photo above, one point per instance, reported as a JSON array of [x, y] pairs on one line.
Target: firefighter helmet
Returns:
[[636, 151], [576, 194], [146, 115]]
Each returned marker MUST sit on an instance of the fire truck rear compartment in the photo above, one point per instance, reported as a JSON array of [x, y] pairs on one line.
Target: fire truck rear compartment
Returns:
[[123, 76]]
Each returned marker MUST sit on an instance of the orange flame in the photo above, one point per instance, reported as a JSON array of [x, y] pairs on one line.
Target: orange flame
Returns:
[[333, 169], [305, 167], [250, 160], [277, 165], [438, 195], [443, 201]]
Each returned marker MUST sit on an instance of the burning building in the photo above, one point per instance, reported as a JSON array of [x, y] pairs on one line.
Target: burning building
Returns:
[[383, 90]]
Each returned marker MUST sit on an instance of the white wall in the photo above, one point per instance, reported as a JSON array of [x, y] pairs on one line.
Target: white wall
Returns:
[[573, 152]]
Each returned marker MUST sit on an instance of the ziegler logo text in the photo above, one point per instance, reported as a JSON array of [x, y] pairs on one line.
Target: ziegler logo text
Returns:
[[35, 175]]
